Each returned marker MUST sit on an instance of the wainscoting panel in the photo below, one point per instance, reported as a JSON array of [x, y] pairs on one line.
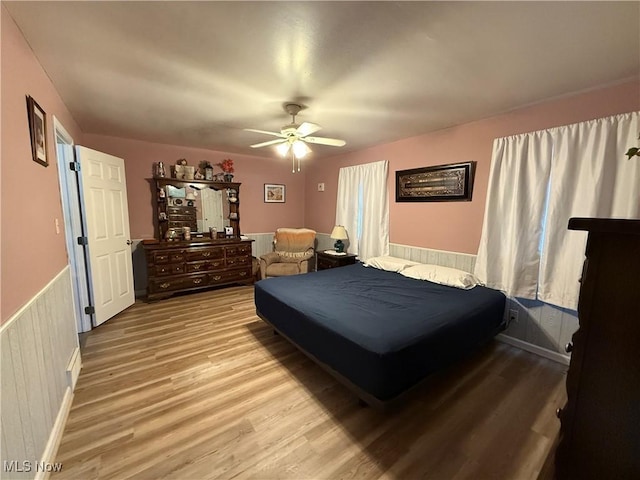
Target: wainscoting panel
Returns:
[[325, 242], [262, 243], [461, 261], [37, 344]]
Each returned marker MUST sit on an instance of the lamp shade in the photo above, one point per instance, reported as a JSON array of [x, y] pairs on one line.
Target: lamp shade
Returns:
[[339, 233], [300, 149], [283, 148]]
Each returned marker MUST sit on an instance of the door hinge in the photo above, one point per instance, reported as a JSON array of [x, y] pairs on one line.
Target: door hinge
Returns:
[[83, 241], [75, 166], [90, 310]]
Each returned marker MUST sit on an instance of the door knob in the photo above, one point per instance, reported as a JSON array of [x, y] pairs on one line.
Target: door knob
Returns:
[[129, 242]]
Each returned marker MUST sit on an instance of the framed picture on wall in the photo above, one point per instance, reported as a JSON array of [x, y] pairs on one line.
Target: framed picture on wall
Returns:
[[38, 131], [274, 193], [441, 183]]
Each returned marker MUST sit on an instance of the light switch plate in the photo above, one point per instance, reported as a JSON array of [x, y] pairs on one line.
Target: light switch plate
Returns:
[[321, 187]]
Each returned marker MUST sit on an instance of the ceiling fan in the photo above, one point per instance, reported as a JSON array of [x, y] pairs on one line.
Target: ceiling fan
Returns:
[[294, 138]]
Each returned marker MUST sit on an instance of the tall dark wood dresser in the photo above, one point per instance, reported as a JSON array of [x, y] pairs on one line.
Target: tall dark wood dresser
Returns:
[[600, 423]]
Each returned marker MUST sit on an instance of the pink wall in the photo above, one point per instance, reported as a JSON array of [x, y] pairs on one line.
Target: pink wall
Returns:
[[455, 226], [255, 215], [32, 253]]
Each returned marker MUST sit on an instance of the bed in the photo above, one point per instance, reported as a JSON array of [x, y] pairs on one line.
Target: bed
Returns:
[[377, 331]]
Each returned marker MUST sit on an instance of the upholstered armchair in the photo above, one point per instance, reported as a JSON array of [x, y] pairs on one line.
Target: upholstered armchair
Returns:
[[293, 251]]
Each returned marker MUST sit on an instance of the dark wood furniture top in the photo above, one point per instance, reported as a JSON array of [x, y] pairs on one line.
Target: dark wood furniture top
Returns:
[[326, 260], [599, 434]]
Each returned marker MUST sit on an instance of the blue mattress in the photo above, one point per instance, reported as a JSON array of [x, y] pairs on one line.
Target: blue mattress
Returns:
[[380, 330]]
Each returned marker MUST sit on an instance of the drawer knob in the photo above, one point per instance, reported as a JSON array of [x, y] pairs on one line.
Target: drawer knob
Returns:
[[197, 281], [165, 285], [242, 274], [568, 347], [206, 254], [217, 277]]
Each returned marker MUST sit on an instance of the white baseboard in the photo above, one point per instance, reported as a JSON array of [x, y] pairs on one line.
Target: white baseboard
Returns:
[[73, 368], [529, 347], [49, 454]]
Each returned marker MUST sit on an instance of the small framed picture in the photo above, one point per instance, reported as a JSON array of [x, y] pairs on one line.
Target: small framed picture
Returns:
[[38, 131], [274, 193]]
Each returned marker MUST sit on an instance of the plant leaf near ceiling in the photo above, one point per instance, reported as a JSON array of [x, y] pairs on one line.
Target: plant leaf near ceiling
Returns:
[[633, 151]]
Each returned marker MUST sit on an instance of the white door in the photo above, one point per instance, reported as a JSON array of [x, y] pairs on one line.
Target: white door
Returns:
[[212, 215], [106, 221]]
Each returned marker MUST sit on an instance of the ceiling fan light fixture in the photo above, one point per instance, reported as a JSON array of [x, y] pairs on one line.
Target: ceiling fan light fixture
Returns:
[[300, 149], [283, 148], [293, 138]]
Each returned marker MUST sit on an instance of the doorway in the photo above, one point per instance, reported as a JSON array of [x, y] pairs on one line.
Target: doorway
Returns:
[[71, 210], [96, 224]]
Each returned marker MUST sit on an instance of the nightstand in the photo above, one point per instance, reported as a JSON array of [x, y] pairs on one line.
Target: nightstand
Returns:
[[326, 260]]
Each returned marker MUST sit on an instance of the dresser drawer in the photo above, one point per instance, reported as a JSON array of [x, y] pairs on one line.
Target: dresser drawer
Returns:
[[177, 283], [206, 265], [169, 269], [238, 261], [168, 257], [192, 224], [229, 276], [239, 250], [182, 211], [205, 254]]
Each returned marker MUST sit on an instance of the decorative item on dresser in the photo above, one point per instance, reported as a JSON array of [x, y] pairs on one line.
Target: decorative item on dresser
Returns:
[[599, 433], [198, 241], [326, 260]]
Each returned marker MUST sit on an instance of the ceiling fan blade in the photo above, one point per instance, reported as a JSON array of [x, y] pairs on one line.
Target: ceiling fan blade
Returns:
[[277, 134], [270, 142], [307, 128], [334, 142]]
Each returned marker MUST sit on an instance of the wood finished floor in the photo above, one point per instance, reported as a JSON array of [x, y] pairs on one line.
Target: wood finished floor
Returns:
[[198, 387]]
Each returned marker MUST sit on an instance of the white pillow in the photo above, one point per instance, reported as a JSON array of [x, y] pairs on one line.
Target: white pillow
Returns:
[[390, 264], [442, 275]]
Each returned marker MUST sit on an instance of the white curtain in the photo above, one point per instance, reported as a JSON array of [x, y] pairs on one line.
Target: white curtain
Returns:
[[362, 207], [590, 177], [540, 180], [509, 255]]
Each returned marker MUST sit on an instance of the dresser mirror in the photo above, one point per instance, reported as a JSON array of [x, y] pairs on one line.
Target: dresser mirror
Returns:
[[209, 209]]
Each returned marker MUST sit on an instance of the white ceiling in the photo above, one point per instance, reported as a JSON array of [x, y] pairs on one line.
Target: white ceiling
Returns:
[[197, 73]]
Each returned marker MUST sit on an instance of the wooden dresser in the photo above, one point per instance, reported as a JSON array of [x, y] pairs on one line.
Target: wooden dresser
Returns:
[[600, 423], [187, 266]]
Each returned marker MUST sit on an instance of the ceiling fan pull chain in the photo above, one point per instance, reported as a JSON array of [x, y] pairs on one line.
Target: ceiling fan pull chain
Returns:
[[293, 162]]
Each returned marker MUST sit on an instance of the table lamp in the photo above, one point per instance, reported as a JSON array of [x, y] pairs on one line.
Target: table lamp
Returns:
[[338, 234]]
